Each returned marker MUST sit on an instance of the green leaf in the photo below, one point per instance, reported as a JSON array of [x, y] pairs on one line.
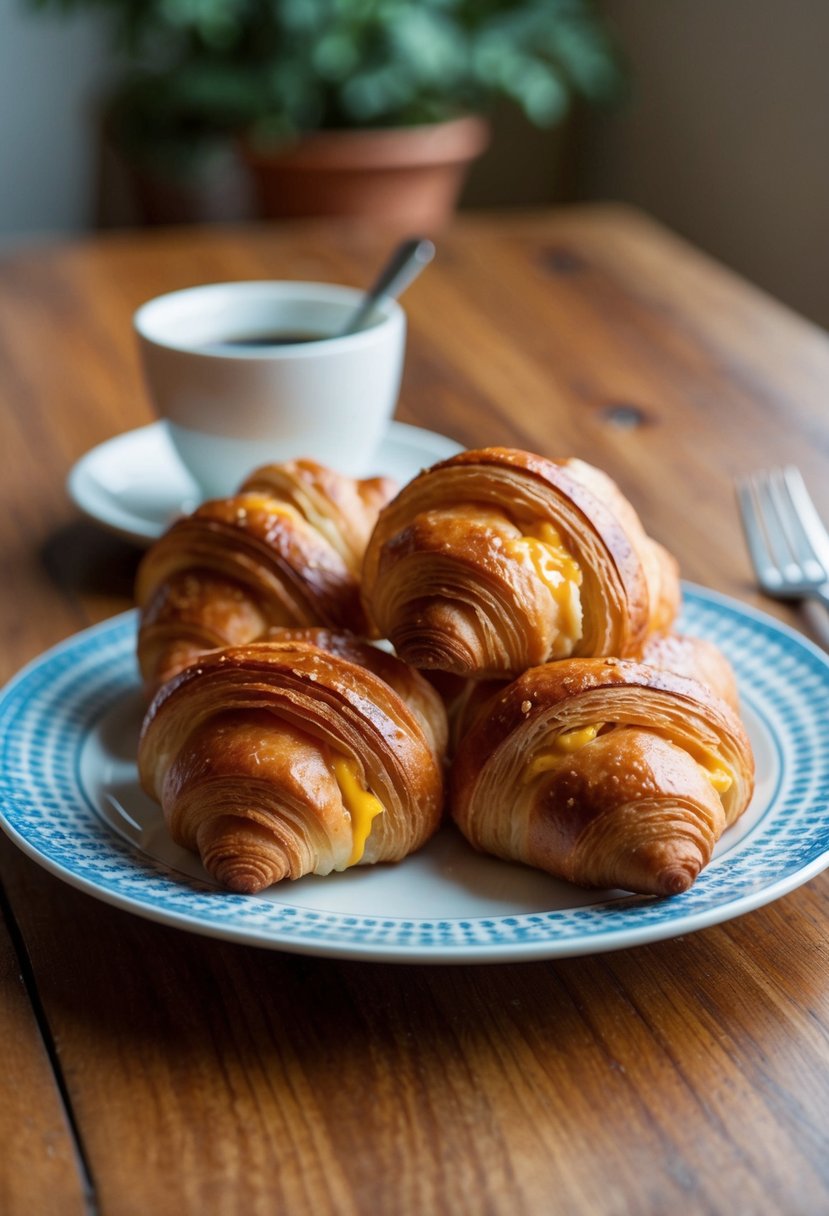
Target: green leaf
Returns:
[[296, 64]]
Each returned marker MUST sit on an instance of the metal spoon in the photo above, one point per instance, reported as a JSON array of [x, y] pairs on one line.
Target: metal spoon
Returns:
[[402, 268]]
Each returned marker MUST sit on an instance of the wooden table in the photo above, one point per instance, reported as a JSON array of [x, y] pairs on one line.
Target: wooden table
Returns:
[[148, 1070]]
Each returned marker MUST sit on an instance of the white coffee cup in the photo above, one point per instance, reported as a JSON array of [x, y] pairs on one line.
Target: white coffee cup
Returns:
[[233, 402]]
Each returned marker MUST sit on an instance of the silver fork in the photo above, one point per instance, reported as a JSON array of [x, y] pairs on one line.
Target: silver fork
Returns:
[[787, 541]]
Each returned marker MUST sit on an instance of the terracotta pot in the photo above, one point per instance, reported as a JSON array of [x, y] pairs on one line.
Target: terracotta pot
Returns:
[[408, 176]]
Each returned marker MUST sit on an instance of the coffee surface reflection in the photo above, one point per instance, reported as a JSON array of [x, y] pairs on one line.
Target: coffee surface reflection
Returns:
[[281, 338]]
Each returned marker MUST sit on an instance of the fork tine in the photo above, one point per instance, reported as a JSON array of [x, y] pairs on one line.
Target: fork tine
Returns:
[[813, 542], [750, 514], [772, 509], [787, 522]]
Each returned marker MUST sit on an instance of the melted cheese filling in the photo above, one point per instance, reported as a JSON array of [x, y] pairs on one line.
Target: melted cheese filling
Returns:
[[570, 741], [541, 548], [719, 776], [255, 501], [710, 762], [565, 744], [361, 805]]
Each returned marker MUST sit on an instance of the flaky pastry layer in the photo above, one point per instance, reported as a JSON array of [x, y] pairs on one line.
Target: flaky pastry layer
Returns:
[[285, 550], [497, 560], [302, 755], [604, 772]]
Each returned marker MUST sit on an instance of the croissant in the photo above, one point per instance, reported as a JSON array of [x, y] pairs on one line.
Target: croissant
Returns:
[[285, 550], [604, 772], [699, 658], [302, 755], [498, 560]]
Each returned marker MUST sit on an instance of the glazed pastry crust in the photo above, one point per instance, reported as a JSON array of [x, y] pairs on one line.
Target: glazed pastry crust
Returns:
[[698, 658], [442, 581], [240, 752], [681, 654], [603, 772], [285, 550]]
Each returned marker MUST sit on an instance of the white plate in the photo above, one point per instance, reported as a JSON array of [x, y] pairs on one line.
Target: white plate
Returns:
[[69, 798], [135, 484]]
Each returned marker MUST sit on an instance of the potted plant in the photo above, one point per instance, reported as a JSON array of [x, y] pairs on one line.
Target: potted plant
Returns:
[[326, 97]]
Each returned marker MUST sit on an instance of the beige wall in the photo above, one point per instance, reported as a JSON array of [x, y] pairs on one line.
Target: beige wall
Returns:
[[726, 136]]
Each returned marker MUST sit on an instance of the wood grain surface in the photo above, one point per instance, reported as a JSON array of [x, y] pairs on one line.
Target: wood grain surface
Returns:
[[147, 1070]]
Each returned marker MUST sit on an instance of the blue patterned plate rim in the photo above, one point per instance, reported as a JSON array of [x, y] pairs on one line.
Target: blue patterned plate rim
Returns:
[[50, 708]]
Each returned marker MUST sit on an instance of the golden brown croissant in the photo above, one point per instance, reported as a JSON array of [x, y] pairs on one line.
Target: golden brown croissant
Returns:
[[300, 756], [498, 560], [285, 550], [605, 772], [685, 655]]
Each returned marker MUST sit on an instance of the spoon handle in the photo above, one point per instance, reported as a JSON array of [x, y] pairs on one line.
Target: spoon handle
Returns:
[[402, 268]]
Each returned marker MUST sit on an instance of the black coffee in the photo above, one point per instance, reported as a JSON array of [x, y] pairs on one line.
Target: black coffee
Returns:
[[282, 338]]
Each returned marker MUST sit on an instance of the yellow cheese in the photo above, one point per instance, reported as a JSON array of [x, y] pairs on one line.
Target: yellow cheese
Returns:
[[719, 777], [562, 745], [572, 740], [255, 501], [541, 547], [711, 762], [361, 805]]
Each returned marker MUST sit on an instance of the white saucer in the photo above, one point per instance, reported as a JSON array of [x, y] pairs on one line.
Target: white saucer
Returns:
[[135, 484]]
